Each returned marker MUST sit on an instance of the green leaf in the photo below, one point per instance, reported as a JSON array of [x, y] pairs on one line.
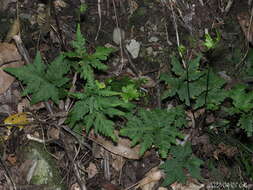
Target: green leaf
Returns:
[[79, 43], [43, 82], [246, 123], [177, 67], [197, 84], [241, 99], [129, 93], [159, 128], [182, 159], [96, 109]]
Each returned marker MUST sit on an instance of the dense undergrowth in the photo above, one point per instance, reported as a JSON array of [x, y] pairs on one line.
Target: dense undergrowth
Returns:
[[100, 104]]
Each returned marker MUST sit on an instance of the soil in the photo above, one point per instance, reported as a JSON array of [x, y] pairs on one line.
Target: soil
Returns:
[[151, 23]]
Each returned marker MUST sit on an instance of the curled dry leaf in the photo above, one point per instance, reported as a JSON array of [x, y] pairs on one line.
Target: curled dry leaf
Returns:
[[162, 188], [188, 186], [8, 54], [150, 179], [122, 148], [229, 151]]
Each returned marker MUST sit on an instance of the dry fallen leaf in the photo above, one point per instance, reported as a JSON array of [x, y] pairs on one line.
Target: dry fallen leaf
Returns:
[[150, 179], [118, 162], [229, 151], [122, 147], [91, 170], [54, 133], [191, 184], [12, 159], [8, 53]]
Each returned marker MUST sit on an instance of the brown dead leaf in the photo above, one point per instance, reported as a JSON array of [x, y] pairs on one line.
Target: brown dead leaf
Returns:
[[4, 4], [12, 159], [118, 162], [190, 185], [122, 147], [91, 170], [246, 25], [54, 133], [8, 53], [229, 151], [150, 179], [109, 186]]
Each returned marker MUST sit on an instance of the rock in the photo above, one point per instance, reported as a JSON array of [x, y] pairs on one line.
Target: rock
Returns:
[[153, 39], [118, 34], [133, 48], [149, 51], [38, 167]]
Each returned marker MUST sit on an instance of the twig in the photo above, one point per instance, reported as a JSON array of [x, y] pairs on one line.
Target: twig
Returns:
[[100, 18], [229, 5], [21, 48], [58, 27], [8, 175], [68, 145], [120, 41]]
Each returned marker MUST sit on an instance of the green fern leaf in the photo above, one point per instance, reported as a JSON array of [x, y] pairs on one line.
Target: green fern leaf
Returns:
[[241, 99], [182, 159], [156, 127], [246, 123], [96, 110], [42, 81], [197, 84], [78, 44]]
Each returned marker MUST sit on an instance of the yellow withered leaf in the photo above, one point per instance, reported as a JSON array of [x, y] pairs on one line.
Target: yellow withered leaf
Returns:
[[18, 119]]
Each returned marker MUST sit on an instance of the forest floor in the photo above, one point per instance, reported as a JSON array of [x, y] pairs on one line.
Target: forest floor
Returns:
[[158, 30]]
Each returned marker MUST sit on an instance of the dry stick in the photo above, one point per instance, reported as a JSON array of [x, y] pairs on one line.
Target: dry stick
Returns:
[[120, 41], [69, 149], [68, 102], [100, 18], [58, 27], [229, 5], [247, 37], [8, 175]]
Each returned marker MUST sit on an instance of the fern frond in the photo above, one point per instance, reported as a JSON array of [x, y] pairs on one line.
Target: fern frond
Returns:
[[43, 82], [159, 128]]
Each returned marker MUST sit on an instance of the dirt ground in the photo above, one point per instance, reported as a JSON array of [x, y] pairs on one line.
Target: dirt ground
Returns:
[[159, 26]]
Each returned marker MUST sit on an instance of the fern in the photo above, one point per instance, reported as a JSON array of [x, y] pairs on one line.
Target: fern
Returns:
[[85, 63], [42, 81], [197, 85], [157, 127], [242, 105], [182, 159], [96, 108]]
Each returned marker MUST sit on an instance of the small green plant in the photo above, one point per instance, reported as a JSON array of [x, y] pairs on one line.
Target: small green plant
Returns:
[[128, 88], [182, 160], [242, 105], [96, 108], [87, 63], [196, 80], [210, 42], [97, 105], [43, 81], [158, 128]]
